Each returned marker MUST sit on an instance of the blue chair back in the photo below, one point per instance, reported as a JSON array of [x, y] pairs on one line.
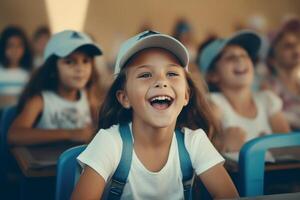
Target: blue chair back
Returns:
[[67, 172], [252, 160]]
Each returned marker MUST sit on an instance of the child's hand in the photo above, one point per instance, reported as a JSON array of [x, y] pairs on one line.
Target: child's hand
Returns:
[[82, 135], [233, 139]]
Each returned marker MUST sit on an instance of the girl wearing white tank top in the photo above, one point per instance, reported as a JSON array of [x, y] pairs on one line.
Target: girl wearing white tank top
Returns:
[[243, 114], [58, 104]]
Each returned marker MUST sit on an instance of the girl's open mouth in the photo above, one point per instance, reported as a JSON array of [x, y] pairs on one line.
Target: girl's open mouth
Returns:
[[161, 102], [240, 71]]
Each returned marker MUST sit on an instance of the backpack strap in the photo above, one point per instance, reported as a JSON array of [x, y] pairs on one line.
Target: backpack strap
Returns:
[[185, 166], [120, 176]]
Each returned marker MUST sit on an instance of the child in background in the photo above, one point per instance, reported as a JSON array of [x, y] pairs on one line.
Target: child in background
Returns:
[[39, 41], [243, 114], [15, 64], [58, 104], [284, 62], [152, 95]]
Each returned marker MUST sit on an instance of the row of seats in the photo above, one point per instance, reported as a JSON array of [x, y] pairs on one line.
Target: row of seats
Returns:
[[251, 160]]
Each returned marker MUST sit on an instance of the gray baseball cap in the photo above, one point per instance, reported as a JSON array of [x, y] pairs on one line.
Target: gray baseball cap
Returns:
[[247, 39], [63, 43], [148, 39]]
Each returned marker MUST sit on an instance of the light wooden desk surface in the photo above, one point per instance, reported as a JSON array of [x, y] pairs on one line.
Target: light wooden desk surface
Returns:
[[39, 160]]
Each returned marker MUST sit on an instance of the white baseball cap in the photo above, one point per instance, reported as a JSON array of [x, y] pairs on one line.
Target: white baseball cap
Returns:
[[149, 39], [63, 43]]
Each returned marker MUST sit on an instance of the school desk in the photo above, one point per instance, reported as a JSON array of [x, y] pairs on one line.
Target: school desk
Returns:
[[286, 196], [285, 159], [39, 160]]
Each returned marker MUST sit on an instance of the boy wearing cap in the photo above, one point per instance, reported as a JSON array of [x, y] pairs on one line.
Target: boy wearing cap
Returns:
[[151, 102], [57, 105], [244, 114]]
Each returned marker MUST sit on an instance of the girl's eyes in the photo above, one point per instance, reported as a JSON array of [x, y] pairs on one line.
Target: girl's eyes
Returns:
[[145, 75], [69, 61], [87, 60], [173, 74], [148, 74], [72, 62]]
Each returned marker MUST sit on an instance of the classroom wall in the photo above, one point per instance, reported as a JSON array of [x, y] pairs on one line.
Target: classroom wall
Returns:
[[110, 21]]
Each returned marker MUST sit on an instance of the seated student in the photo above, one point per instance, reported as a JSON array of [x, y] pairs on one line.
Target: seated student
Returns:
[[15, 64], [39, 42], [151, 96], [284, 62], [57, 104], [243, 114]]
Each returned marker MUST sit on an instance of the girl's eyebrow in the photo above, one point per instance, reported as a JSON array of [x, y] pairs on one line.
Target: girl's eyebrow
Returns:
[[149, 65], [174, 65]]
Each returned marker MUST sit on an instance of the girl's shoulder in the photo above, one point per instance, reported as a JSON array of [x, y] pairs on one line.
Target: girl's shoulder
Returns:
[[202, 152], [33, 105], [110, 134], [218, 98], [266, 96], [194, 137], [36, 100]]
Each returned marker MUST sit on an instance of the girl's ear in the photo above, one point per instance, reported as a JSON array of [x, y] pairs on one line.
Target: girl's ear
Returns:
[[187, 96], [123, 99]]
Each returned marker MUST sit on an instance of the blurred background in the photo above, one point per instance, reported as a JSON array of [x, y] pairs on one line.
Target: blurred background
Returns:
[[111, 21]]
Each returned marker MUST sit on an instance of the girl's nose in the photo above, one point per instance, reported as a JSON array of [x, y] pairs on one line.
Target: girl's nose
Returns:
[[160, 84]]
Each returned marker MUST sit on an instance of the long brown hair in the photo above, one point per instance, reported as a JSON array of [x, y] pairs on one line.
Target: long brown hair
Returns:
[[196, 114], [47, 78]]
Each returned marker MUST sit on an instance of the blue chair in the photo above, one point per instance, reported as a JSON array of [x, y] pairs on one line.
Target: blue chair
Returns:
[[252, 160], [8, 115], [67, 172]]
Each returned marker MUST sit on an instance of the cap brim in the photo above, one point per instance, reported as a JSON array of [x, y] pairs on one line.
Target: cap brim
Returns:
[[250, 41], [159, 41]]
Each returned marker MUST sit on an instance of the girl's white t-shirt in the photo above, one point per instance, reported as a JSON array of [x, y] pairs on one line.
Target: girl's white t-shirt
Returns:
[[267, 104], [103, 155]]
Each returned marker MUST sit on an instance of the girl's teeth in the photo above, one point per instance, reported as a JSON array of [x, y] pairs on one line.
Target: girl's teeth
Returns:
[[161, 98]]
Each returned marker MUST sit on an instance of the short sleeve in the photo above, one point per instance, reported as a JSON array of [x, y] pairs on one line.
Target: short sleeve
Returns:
[[103, 153], [202, 152], [273, 102]]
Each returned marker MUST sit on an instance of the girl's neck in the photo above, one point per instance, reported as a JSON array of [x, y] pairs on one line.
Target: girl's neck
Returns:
[[13, 65], [147, 135], [71, 95], [241, 101]]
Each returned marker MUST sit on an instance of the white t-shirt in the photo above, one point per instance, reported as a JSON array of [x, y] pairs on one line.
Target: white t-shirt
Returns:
[[61, 113], [267, 104], [103, 154], [12, 81]]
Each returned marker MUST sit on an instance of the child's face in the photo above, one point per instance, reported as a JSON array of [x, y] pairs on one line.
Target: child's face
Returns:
[[287, 52], [40, 44], [14, 50], [156, 88], [234, 68], [74, 71]]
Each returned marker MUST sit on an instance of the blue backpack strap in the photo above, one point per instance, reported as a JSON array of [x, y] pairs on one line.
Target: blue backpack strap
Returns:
[[120, 176], [185, 165]]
